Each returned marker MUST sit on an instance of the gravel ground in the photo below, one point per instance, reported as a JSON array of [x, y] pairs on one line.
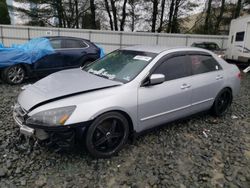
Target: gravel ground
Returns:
[[201, 151]]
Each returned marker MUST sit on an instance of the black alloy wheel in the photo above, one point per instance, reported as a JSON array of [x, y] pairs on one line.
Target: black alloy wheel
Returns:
[[107, 135], [222, 102]]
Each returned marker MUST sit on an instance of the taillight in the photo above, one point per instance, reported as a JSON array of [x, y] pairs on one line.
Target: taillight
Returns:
[[239, 75]]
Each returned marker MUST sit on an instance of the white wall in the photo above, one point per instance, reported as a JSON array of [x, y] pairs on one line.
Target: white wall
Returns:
[[109, 40]]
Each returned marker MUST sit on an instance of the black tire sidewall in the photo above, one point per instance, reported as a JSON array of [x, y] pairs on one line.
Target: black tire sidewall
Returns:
[[5, 74], [89, 144], [215, 110]]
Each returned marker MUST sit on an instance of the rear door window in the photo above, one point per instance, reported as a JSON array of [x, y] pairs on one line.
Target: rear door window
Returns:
[[175, 67], [72, 43], [56, 43], [203, 63]]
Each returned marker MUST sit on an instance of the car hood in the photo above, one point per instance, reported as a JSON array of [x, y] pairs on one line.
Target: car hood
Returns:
[[62, 84]]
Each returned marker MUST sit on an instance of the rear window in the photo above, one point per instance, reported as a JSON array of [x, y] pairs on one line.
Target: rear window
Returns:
[[69, 43], [212, 46], [203, 63], [240, 36], [56, 43]]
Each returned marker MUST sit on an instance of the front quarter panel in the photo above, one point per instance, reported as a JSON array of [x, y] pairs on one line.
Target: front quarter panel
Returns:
[[91, 105]]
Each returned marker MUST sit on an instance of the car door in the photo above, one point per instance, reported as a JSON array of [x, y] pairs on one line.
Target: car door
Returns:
[[167, 101], [73, 52], [207, 80], [53, 62]]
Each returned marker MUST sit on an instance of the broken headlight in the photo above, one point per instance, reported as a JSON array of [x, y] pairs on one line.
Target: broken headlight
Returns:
[[52, 117]]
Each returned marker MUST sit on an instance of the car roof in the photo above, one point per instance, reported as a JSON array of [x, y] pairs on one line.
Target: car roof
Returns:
[[205, 43], [64, 37], [159, 48]]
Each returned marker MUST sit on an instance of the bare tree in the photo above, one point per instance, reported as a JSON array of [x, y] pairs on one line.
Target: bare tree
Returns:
[[109, 14], [93, 9], [220, 17], [170, 15], [124, 14], [154, 14], [207, 24], [238, 9], [162, 15], [114, 10]]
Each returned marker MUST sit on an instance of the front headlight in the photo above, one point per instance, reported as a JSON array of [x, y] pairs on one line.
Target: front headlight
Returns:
[[52, 117]]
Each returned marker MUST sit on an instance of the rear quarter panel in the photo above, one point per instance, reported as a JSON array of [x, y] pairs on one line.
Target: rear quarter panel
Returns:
[[231, 76]]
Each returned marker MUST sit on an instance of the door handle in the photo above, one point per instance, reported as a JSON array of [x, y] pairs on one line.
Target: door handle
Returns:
[[185, 86], [219, 77]]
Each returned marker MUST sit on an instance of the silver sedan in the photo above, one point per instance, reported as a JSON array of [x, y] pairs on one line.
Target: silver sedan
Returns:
[[126, 92]]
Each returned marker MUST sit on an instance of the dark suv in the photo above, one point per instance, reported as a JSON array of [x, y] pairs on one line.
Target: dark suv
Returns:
[[69, 52]]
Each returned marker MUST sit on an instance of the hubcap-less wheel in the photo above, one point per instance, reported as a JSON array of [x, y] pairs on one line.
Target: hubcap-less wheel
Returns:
[[222, 102], [15, 74], [107, 135]]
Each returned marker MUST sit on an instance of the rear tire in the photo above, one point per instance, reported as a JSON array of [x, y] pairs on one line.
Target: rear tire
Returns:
[[222, 102], [14, 74], [107, 135]]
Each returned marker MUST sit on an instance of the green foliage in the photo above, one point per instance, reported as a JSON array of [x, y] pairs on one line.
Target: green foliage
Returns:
[[4, 13]]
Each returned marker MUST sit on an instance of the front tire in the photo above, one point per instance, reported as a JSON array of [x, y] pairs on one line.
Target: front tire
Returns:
[[222, 102], [107, 135], [14, 74]]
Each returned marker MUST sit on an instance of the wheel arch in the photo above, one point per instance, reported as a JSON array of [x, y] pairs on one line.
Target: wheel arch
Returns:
[[225, 87], [228, 87], [26, 67], [125, 114]]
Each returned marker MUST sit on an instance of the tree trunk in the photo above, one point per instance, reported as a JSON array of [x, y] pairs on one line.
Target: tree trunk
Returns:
[[220, 17], [124, 14], [207, 19], [238, 9], [4, 14], [170, 17], [175, 27], [58, 6], [77, 14], [154, 15], [92, 9], [114, 14], [133, 19], [162, 14], [109, 14]]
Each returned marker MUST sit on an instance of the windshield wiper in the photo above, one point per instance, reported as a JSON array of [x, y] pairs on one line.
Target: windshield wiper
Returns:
[[103, 76], [100, 75]]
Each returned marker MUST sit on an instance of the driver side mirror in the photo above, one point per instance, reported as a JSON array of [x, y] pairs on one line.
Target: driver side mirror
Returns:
[[155, 79]]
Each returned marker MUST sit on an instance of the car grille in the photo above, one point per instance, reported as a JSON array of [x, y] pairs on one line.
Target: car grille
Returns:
[[19, 114]]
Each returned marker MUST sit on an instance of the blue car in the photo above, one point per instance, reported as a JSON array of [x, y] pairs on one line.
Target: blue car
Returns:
[[42, 56]]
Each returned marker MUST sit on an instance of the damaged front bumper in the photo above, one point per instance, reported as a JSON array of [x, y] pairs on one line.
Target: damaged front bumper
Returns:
[[63, 136], [19, 116]]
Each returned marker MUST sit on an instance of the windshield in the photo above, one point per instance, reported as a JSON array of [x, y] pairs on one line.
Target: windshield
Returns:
[[120, 65]]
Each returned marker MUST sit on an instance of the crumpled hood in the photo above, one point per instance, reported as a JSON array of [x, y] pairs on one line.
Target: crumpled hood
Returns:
[[62, 84]]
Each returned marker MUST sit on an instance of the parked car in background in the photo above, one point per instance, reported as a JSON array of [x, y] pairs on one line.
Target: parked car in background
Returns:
[[21, 61], [124, 93], [212, 46]]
